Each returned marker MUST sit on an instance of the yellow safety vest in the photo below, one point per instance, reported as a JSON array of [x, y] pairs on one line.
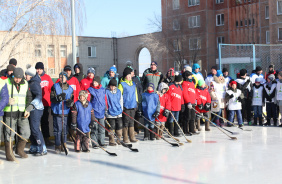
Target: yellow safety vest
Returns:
[[20, 97]]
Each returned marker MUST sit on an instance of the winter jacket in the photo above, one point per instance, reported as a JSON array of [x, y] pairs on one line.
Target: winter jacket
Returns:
[[176, 96], [218, 91], [4, 96], [203, 98], [234, 103], [98, 101], [106, 80], [35, 89], [164, 104], [150, 76], [115, 103], [150, 105], [189, 92], [129, 91], [73, 82], [82, 115], [79, 75], [245, 85], [46, 85], [269, 91], [139, 88], [3, 72], [85, 83]]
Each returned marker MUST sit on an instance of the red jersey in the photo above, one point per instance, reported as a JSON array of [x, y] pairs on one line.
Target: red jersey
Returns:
[[189, 92], [176, 97], [165, 104], [85, 84], [203, 98], [73, 82], [46, 85]]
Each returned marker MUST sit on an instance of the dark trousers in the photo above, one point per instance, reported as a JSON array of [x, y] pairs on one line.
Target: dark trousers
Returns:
[[271, 110], [45, 122], [246, 109], [36, 137], [82, 142], [57, 124], [116, 123], [128, 121]]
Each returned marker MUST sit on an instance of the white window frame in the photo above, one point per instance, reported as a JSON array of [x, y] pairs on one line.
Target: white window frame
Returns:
[[95, 51], [219, 1], [63, 48], [266, 12], [175, 4], [176, 25], [267, 37], [176, 45], [279, 13], [221, 22], [51, 71], [176, 66], [51, 51], [279, 35], [199, 45], [37, 51], [193, 3], [194, 21]]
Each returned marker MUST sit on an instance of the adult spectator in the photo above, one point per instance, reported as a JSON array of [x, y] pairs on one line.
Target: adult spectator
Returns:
[[196, 71], [257, 74], [78, 70], [111, 73], [210, 76], [226, 76], [152, 75]]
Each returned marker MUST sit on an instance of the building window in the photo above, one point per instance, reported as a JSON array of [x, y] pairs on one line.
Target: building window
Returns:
[[219, 1], [194, 21], [175, 4], [91, 51], [241, 23], [176, 45], [280, 34], [220, 39], [237, 24], [63, 51], [176, 25], [267, 37], [279, 7], [194, 43], [37, 50], [220, 20], [50, 51], [193, 2], [266, 12]]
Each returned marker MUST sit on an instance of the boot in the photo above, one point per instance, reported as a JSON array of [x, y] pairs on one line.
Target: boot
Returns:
[[176, 132], [132, 135], [9, 152], [125, 134], [260, 121], [146, 134], [170, 128], [112, 139], [58, 149], [158, 132], [119, 134], [207, 126], [185, 127], [267, 123], [152, 135], [255, 122], [192, 127], [275, 122], [20, 148], [199, 125], [161, 132]]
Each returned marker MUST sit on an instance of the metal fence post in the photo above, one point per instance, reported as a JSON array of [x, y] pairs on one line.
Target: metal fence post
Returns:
[[219, 55], [254, 57]]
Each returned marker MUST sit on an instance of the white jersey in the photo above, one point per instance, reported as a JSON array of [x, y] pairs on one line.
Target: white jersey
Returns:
[[257, 96], [253, 77], [208, 80], [269, 92], [279, 91], [233, 103]]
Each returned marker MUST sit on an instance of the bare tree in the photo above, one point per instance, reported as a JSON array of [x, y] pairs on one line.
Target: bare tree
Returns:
[[22, 19]]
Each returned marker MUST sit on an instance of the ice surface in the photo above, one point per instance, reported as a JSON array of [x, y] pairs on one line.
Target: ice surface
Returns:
[[256, 157]]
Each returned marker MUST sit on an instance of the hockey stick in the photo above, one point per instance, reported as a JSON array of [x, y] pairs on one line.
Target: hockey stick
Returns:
[[180, 128], [173, 144], [14, 131], [112, 154], [63, 118], [112, 132], [233, 138], [231, 122], [169, 134]]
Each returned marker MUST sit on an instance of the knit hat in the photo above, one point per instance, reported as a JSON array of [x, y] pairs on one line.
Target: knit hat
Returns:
[[271, 66], [243, 72], [258, 68], [233, 82], [67, 67], [10, 67], [91, 70], [178, 78], [18, 72], [83, 93], [201, 82], [224, 70], [31, 71], [257, 80], [127, 71], [151, 85], [271, 77], [97, 79], [113, 69], [187, 68], [214, 67], [64, 74], [13, 61], [154, 62], [39, 65], [219, 73], [113, 82]]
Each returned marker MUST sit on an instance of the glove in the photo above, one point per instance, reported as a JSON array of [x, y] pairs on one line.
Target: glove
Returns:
[[231, 96], [156, 114], [166, 113], [201, 106], [61, 97], [139, 113], [189, 106], [69, 103], [26, 114], [239, 99], [182, 108], [11, 101], [207, 106], [29, 108], [73, 126], [92, 125]]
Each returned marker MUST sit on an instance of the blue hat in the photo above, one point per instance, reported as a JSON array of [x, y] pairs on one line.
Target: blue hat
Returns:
[[195, 66], [219, 73], [113, 69], [91, 70], [64, 74], [258, 80], [151, 85], [154, 62]]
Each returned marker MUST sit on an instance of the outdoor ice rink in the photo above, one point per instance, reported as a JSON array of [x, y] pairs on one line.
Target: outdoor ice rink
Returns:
[[211, 158]]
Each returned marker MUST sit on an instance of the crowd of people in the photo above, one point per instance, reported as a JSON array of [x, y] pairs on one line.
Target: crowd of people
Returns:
[[82, 105]]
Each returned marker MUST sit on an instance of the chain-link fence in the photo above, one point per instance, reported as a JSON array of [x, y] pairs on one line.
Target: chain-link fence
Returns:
[[237, 56]]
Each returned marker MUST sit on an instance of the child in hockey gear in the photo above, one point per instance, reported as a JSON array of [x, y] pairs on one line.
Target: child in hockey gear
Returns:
[[234, 97], [190, 99], [115, 107], [176, 98], [61, 93], [269, 92], [165, 107], [151, 109], [98, 101], [278, 96], [258, 101], [203, 103], [82, 116], [130, 99]]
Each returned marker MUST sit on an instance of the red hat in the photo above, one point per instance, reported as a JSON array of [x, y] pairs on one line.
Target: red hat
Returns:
[[233, 82], [172, 71]]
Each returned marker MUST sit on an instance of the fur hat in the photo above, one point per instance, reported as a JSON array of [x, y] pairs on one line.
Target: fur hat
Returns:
[[83, 93]]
